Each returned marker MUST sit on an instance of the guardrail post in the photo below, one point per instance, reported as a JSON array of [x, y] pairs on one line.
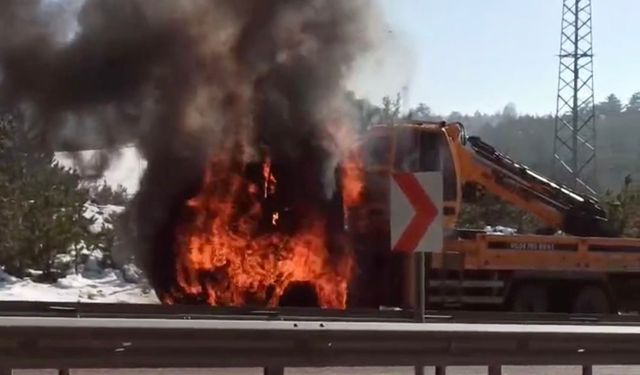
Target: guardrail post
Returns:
[[441, 370], [63, 371], [495, 370], [273, 371], [587, 370], [420, 296]]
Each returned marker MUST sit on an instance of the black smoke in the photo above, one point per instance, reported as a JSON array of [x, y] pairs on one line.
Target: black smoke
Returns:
[[186, 80]]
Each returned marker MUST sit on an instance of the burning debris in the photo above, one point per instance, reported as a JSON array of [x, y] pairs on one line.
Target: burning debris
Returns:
[[238, 107]]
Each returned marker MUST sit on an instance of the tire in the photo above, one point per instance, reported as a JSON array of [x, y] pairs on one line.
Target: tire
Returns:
[[530, 298], [591, 299]]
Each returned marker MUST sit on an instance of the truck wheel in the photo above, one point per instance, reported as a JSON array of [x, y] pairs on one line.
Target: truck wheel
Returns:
[[530, 298], [591, 300]]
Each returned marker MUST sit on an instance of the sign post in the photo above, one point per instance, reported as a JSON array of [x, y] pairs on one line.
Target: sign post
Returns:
[[420, 297], [417, 227], [420, 287]]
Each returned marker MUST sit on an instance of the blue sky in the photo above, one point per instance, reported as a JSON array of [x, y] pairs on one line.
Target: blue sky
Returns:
[[468, 55]]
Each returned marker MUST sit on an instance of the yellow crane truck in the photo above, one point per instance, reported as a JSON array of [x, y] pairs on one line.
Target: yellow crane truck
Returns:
[[585, 269]]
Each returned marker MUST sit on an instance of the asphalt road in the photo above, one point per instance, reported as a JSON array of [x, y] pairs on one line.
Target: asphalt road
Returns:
[[508, 370]]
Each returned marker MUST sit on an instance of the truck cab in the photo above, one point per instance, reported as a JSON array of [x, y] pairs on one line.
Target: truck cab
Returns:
[[418, 147], [386, 150]]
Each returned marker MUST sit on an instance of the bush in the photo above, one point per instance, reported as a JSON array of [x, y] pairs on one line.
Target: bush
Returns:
[[622, 209]]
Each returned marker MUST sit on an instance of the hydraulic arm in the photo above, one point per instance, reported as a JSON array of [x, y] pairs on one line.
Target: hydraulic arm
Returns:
[[483, 168]]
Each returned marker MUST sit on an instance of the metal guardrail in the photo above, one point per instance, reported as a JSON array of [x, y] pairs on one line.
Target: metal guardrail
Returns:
[[67, 342], [157, 311]]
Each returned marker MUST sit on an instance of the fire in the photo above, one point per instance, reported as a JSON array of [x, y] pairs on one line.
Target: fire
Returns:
[[343, 139], [269, 179], [352, 180], [229, 257]]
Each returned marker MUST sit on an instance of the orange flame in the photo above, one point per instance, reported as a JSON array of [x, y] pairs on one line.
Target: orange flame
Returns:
[[224, 255], [352, 180], [269, 179]]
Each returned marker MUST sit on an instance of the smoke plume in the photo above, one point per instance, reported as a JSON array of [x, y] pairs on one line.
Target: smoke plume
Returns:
[[186, 81]]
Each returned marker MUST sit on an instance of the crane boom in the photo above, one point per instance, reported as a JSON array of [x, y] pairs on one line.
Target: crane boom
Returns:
[[483, 168]]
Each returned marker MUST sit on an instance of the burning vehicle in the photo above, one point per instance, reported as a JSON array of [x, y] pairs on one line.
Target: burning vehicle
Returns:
[[240, 110], [250, 237]]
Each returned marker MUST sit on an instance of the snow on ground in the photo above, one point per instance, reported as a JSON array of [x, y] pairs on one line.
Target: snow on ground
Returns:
[[108, 286]]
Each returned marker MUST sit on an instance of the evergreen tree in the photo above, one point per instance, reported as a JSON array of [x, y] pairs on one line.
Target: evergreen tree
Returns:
[[422, 113], [42, 210], [104, 194], [612, 105], [510, 111], [634, 103]]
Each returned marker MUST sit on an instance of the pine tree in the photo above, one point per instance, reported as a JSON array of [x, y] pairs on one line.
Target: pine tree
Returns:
[[611, 106], [634, 103], [104, 194], [42, 206]]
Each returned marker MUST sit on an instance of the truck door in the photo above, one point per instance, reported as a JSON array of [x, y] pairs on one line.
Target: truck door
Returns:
[[368, 224]]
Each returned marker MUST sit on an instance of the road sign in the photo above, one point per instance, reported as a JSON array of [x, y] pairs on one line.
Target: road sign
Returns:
[[416, 212]]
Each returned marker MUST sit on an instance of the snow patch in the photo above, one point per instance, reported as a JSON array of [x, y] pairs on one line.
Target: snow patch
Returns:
[[500, 230], [92, 283], [102, 215], [110, 287]]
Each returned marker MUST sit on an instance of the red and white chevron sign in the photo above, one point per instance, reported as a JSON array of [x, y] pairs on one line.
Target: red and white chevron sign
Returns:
[[416, 212]]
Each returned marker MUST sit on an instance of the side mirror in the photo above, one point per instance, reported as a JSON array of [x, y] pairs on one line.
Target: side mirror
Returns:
[[463, 134]]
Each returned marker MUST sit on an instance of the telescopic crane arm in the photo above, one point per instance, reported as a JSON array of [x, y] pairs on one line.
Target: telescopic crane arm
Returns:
[[483, 168]]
